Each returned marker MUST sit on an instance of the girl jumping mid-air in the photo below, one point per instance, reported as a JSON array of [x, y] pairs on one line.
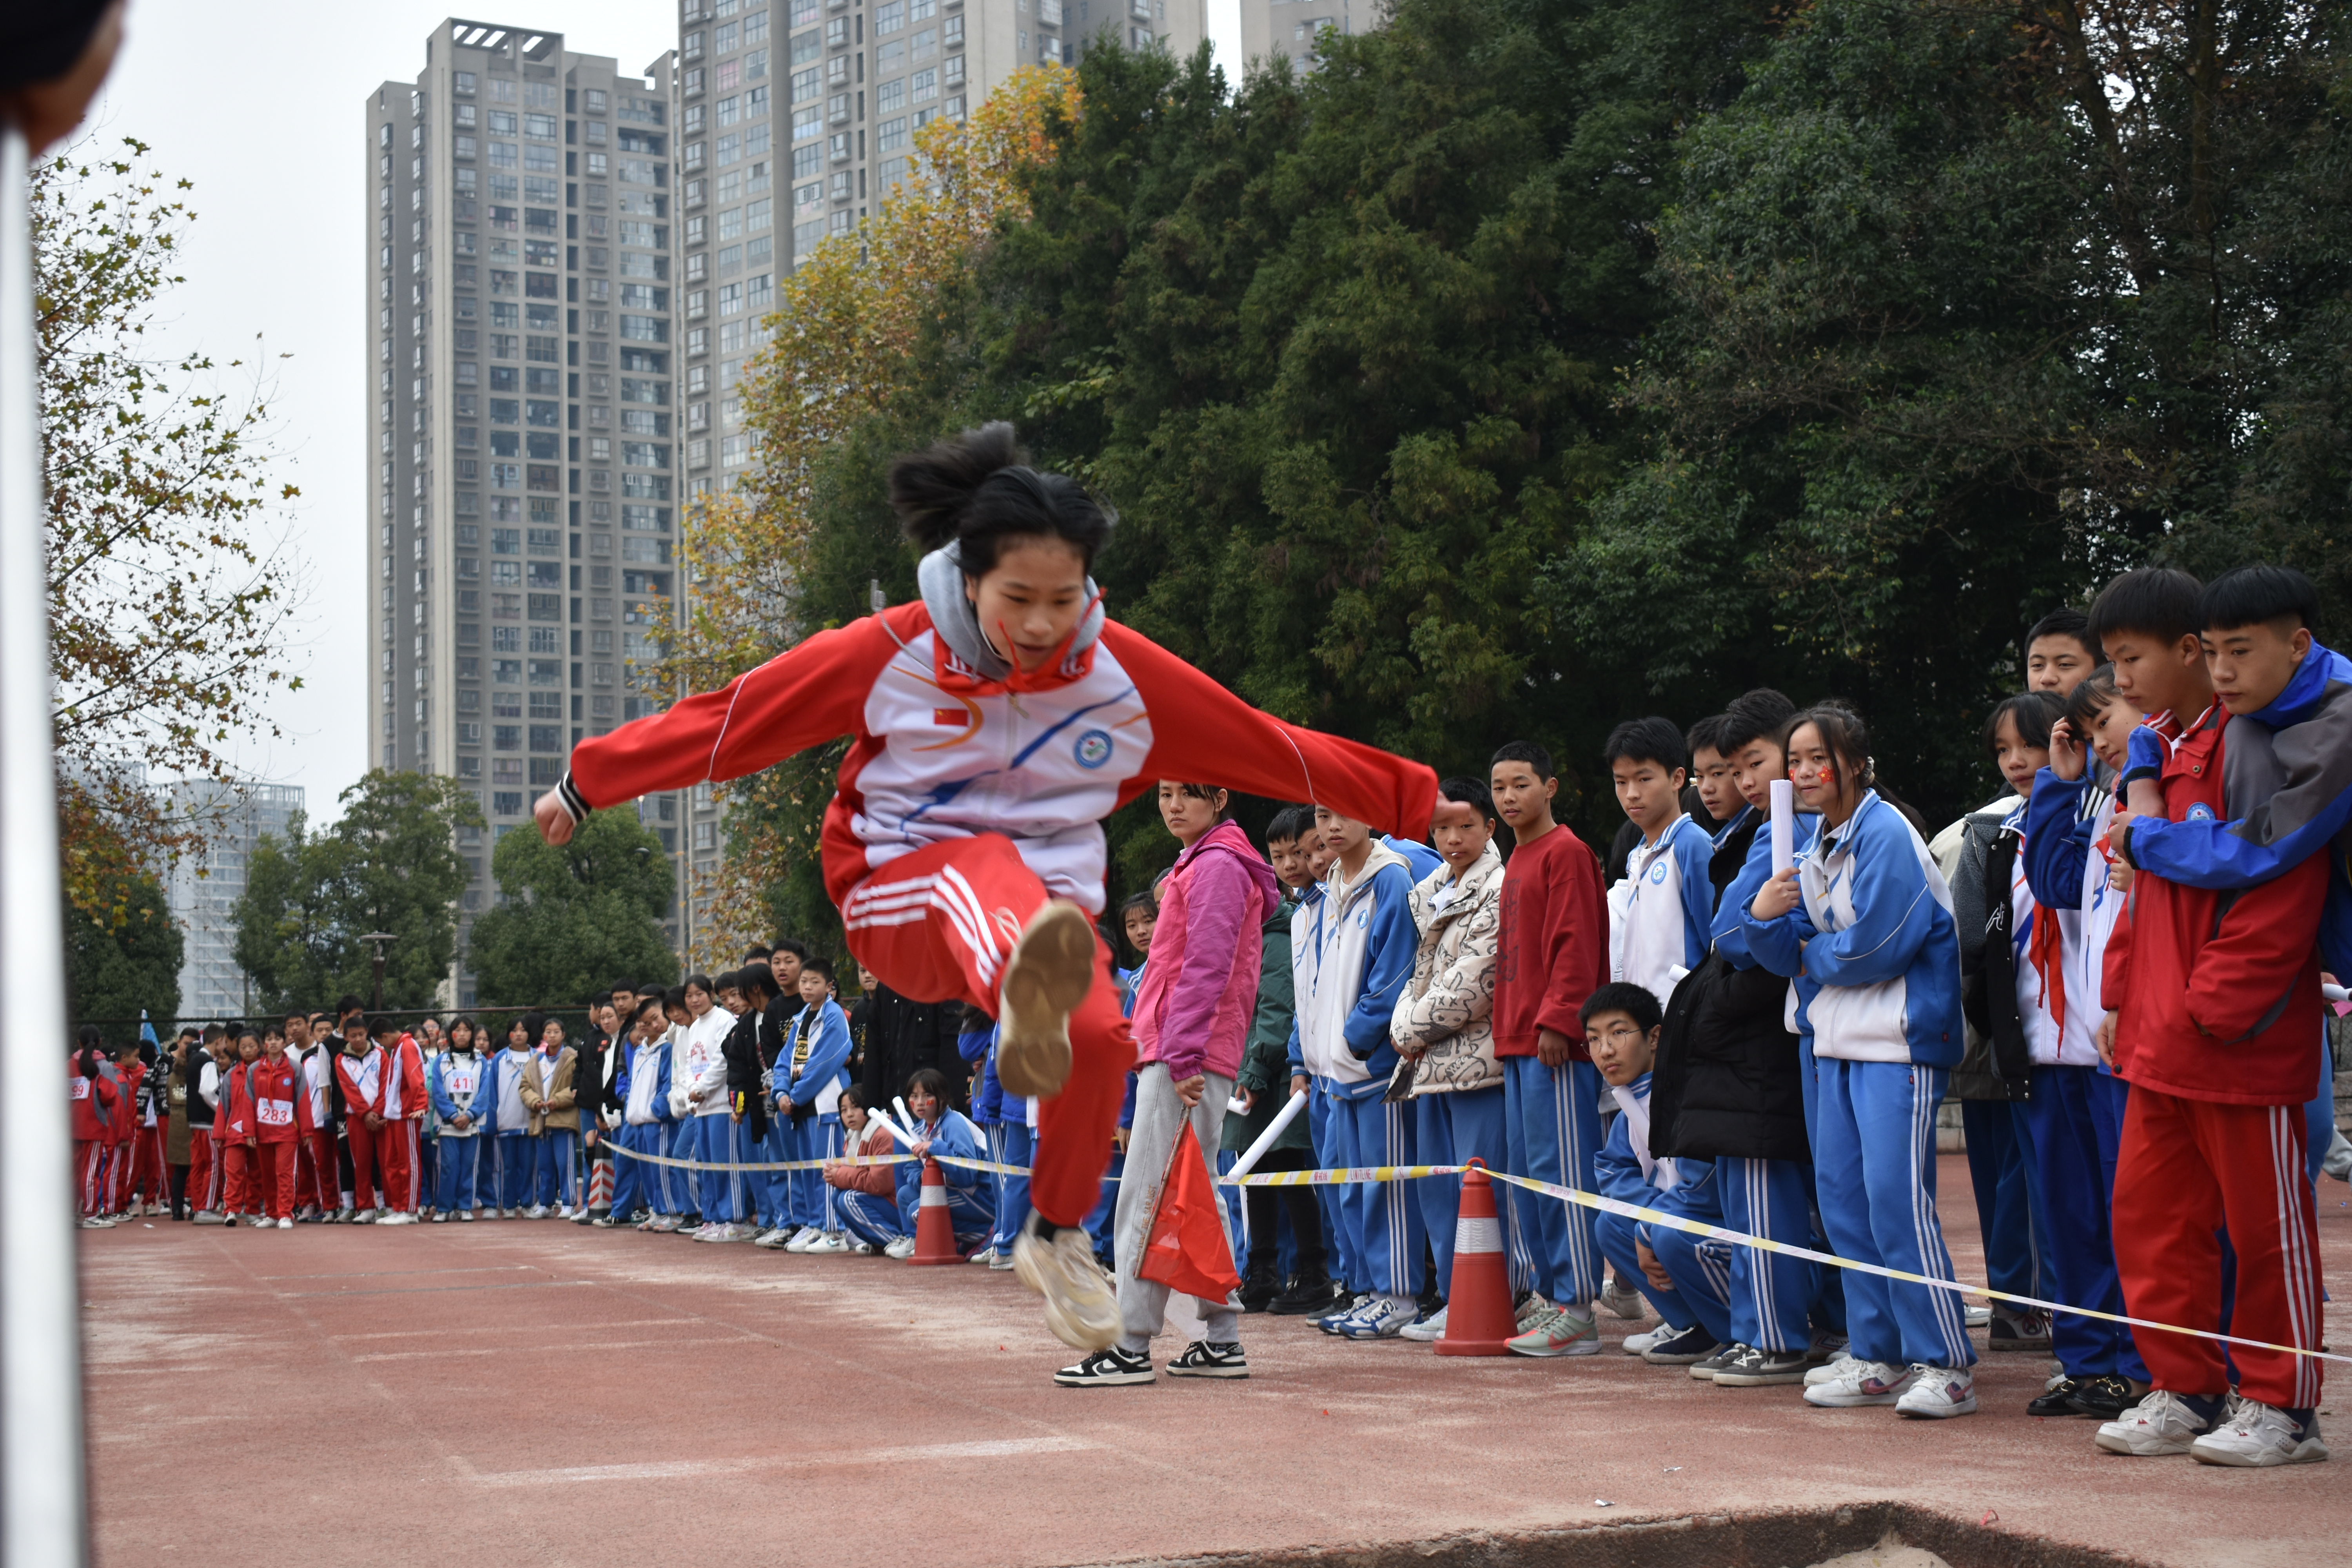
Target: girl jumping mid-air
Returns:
[[993, 725]]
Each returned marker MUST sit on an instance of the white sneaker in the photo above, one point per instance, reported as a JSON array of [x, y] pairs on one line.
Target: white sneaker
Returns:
[[1837, 1366], [210, 1217], [827, 1243], [1939, 1391], [366, 1216], [536, 1211], [1080, 1309], [2160, 1424], [97, 1221], [903, 1248], [286, 1224], [1863, 1382], [1979, 1317], [440, 1219], [1429, 1329], [737, 1232], [864, 1248], [1637, 1344], [985, 1257], [1622, 1301], [770, 1239], [464, 1217], [1386, 1317], [801, 1241], [2254, 1434]]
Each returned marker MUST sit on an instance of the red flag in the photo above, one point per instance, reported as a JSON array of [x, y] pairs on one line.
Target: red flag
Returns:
[[1188, 1250]]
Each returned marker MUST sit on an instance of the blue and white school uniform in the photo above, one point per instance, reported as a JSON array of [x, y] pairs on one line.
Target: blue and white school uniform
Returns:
[[1700, 1268], [1775, 1299], [1877, 965], [971, 1195], [457, 1083], [713, 1136], [644, 1130], [814, 1071], [514, 1148], [1660, 915]]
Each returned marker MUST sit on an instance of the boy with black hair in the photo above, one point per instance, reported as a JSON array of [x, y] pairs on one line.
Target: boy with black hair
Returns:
[[1711, 773], [1263, 1086], [1660, 914], [751, 1051], [1315, 855], [1552, 952], [2060, 652], [809, 1078]]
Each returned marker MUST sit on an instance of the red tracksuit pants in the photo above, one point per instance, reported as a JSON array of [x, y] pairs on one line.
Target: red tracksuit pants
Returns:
[[365, 1146], [205, 1173], [237, 1162], [396, 1152], [147, 1181], [90, 1176], [273, 1179], [974, 896], [2186, 1169], [316, 1179]]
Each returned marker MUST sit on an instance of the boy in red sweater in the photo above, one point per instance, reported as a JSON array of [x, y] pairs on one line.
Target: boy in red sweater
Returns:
[[1552, 953], [2215, 1006]]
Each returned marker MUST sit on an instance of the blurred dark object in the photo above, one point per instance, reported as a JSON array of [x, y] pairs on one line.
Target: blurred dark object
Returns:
[[53, 59]]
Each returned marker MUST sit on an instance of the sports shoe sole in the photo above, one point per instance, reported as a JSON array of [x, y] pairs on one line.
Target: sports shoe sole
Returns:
[[1082, 1315], [1050, 972], [1112, 1380], [1225, 1372], [1846, 1401], [1965, 1407], [2310, 1451], [2159, 1448], [1728, 1379]]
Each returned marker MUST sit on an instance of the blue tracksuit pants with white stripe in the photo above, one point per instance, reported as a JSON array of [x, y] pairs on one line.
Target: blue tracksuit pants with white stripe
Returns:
[[719, 1140], [2061, 1128], [515, 1161], [1701, 1271], [813, 1137], [2016, 1242], [454, 1185], [1875, 1160], [1449, 1129], [1553, 1118], [1386, 1214], [1769, 1291], [633, 1180], [772, 1190], [556, 1182], [1011, 1140], [674, 1190], [871, 1219], [1828, 1300], [1324, 1131]]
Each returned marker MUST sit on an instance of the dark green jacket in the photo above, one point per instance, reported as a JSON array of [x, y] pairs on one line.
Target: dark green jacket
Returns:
[[1265, 1059]]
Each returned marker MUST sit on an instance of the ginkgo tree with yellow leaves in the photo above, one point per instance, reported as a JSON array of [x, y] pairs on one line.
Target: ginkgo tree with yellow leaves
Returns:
[[839, 351]]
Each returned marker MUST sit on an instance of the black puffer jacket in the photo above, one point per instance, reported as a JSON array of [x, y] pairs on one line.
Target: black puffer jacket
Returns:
[[1727, 1079], [1998, 1064], [902, 1036]]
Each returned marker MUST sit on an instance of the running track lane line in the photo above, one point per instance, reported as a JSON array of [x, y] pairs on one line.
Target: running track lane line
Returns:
[[674, 1470]]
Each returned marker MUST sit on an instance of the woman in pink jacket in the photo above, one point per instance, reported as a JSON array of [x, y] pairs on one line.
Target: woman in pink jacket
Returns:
[[1191, 1018]]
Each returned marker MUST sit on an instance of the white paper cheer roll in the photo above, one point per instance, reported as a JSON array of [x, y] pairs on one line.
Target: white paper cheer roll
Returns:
[[1784, 824], [1282, 1119]]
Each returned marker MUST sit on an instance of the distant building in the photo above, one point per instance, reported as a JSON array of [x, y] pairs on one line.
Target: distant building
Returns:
[[1289, 28], [203, 889]]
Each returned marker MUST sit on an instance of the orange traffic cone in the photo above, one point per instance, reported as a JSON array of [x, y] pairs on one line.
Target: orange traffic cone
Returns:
[[935, 1234], [1478, 1317]]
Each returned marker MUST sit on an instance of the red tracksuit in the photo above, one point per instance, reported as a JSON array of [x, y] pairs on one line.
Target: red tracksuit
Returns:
[[237, 1125], [2218, 997], [403, 1109], [97, 1106], [144, 1180], [316, 1179], [362, 1077], [966, 802], [274, 1086]]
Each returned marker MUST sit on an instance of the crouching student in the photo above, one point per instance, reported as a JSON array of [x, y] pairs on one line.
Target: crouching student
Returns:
[[870, 1193], [458, 1079], [939, 1129], [1687, 1279], [810, 1075]]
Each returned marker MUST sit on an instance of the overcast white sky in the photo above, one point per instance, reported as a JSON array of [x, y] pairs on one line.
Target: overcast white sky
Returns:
[[260, 103]]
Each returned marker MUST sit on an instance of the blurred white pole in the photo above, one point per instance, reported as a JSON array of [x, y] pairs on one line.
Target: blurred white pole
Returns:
[[42, 1516]]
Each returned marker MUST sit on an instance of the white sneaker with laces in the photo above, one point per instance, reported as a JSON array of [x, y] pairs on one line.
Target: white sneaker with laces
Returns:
[[1636, 1343], [801, 1239], [1384, 1319], [1938, 1391], [1979, 1316], [985, 1257], [1622, 1301], [737, 1232], [1864, 1383], [287, 1224], [903, 1248], [771, 1240], [1837, 1366], [2162, 1423], [1428, 1329], [536, 1211], [2257, 1436]]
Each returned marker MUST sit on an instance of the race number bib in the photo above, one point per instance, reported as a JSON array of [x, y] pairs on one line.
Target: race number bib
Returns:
[[277, 1112], [81, 1088]]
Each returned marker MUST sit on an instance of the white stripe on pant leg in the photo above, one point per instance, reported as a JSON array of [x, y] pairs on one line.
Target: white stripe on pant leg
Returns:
[[1944, 1304], [2287, 1176], [959, 922], [1586, 1267], [985, 952], [872, 895]]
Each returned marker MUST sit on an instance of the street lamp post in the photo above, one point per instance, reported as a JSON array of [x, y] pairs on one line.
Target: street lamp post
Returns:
[[380, 939]]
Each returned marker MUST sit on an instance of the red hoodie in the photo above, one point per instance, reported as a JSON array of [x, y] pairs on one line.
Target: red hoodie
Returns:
[[236, 1122], [2216, 992], [97, 1105], [271, 1088]]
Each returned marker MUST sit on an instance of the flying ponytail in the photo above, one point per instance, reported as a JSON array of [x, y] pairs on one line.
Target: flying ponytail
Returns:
[[977, 491]]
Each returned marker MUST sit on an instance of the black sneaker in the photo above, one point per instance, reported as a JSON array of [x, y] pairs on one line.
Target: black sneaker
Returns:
[[1307, 1296], [2104, 1397], [1754, 1367], [1681, 1347], [2058, 1400], [2028, 1330], [1205, 1358], [1105, 1368], [1706, 1366], [1258, 1292]]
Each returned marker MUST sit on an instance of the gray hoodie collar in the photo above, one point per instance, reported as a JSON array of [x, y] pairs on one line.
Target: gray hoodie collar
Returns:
[[941, 576]]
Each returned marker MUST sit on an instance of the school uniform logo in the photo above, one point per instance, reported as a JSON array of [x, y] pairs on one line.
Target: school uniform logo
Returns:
[[2200, 812], [1658, 874], [1093, 749]]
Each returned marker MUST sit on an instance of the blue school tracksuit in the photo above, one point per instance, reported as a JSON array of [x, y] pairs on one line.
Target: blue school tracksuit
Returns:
[[1701, 1269], [643, 1085], [972, 1206], [1772, 1294], [514, 1149], [814, 1068], [1668, 909], [1004, 1119], [457, 1085], [1878, 981]]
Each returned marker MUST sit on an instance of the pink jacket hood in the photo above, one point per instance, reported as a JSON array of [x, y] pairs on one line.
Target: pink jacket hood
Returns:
[[1200, 990]]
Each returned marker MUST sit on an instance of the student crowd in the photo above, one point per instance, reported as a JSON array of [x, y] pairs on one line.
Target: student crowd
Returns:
[[2116, 968]]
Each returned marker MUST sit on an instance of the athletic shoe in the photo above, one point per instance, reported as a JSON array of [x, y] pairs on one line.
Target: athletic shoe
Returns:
[[2058, 1399], [668, 1223], [1384, 1317], [398, 1218], [1636, 1344], [2106, 1397], [1938, 1392], [1978, 1316], [1206, 1358], [1107, 1368], [440, 1219], [1329, 1321], [701, 1233], [773, 1238], [97, 1222], [1704, 1369], [1000, 1263], [209, 1216], [1079, 1306], [737, 1232], [364, 1217], [902, 1248], [985, 1257], [2027, 1331], [803, 1239], [1680, 1347], [603, 1222], [511, 1214], [2254, 1434], [536, 1211], [1428, 1329], [464, 1217], [1050, 971], [830, 1242], [1864, 1383], [2162, 1423], [1825, 1348], [1307, 1298], [1755, 1367], [1563, 1333], [864, 1248], [286, 1225], [1622, 1301], [1531, 1309], [1830, 1371]]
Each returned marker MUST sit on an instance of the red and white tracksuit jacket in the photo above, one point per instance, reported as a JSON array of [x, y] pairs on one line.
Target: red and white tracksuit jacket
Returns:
[[362, 1078], [274, 1088], [98, 1107], [403, 1109], [966, 802]]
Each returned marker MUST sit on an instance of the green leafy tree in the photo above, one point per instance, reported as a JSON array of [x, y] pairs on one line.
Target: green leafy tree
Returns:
[[389, 864], [571, 919], [114, 968]]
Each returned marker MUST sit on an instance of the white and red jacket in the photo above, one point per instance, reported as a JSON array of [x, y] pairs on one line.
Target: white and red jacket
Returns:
[[97, 1105], [941, 751], [273, 1087], [362, 1078], [405, 1093]]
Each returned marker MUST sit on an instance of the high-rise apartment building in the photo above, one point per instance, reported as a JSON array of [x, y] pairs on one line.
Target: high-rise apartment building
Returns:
[[203, 889], [519, 321], [1289, 28]]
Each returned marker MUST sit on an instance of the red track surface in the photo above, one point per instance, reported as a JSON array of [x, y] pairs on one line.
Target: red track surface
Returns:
[[545, 1394]]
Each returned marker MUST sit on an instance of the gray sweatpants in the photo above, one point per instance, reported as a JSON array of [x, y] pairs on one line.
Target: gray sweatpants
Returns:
[[1159, 1121]]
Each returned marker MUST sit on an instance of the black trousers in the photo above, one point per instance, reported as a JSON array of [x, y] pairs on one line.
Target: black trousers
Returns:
[[1298, 1204]]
